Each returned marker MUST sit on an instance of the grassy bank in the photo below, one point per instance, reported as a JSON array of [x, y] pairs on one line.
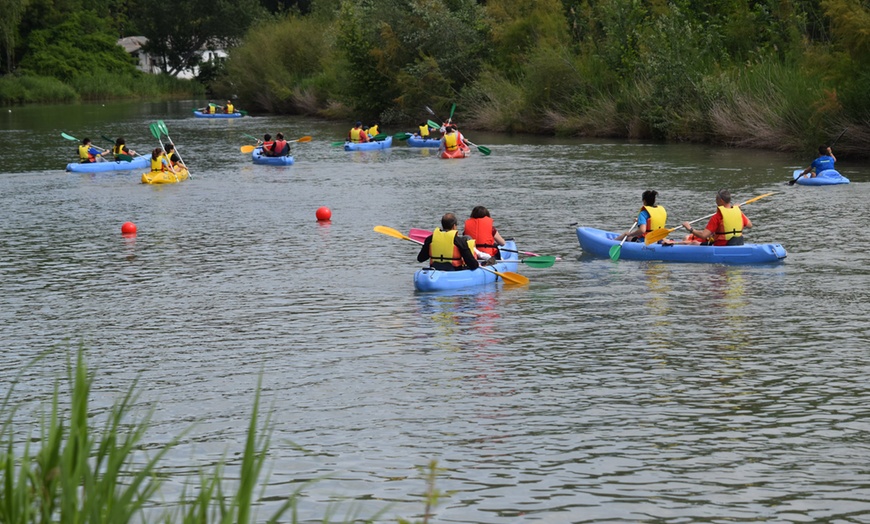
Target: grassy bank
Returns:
[[28, 89], [70, 471]]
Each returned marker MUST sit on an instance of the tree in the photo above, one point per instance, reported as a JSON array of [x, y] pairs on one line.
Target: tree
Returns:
[[178, 31], [12, 11]]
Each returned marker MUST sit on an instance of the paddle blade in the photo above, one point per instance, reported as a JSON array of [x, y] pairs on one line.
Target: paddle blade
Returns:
[[379, 137], [336, 144], [485, 150], [247, 149], [249, 136], [656, 235], [509, 276], [162, 127], [419, 234], [429, 110], [69, 137], [393, 233], [540, 261], [433, 125], [125, 158], [402, 136], [614, 252], [302, 139], [154, 131], [109, 140], [452, 109]]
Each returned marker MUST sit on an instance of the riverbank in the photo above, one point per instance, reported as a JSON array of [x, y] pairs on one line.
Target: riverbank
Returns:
[[32, 89]]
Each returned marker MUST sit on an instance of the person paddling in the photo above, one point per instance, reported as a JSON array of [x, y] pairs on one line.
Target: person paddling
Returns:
[[486, 237], [357, 134], [650, 217], [120, 148], [726, 227], [823, 162], [88, 153], [446, 249], [174, 159], [279, 147]]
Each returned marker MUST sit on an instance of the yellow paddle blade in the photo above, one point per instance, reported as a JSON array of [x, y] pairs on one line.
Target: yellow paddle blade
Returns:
[[393, 233], [658, 234], [303, 139], [247, 149], [508, 276]]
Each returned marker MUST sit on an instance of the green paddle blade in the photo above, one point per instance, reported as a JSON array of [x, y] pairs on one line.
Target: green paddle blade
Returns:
[[69, 137], [154, 131], [402, 136], [162, 127], [379, 137], [125, 158], [336, 144], [433, 124], [541, 261], [251, 137], [614, 253], [452, 109], [485, 150]]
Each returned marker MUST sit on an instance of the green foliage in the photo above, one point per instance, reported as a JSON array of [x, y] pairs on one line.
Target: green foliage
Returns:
[[176, 31], [278, 60], [77, 46], [31, 89], [518, 28]]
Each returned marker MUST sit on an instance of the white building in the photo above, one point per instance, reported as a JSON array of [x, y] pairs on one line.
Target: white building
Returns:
[[151, 64]]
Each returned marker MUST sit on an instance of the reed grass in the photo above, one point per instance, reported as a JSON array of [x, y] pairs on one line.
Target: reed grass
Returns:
[[80, 474]]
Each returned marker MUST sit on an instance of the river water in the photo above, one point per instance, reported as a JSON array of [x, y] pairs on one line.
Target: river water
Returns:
[[602, 391]]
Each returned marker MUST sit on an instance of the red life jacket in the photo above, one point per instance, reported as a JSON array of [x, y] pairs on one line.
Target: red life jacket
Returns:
[[480, 229], [278, 146]]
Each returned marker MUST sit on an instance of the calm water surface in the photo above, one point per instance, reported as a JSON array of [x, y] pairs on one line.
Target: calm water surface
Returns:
[[603, 391]]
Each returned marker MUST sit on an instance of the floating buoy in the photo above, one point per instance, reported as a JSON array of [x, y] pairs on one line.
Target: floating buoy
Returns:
[[128, 228], [323, 213]]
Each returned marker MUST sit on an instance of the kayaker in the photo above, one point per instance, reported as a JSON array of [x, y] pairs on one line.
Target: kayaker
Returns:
[[424, 131], [726, 226], [451, 141], [357, 134], [89, 153], [650, 217], [158, 161], [279, 147], [446, 250], [823, 162], [229, 108], [374, 130], [174, 159], [120, 148], [481, 229]]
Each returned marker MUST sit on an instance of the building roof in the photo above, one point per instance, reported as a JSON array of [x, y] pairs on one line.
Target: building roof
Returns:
[[131, 44]]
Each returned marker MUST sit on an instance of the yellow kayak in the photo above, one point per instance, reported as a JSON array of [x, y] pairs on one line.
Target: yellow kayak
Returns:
[[165, 177]]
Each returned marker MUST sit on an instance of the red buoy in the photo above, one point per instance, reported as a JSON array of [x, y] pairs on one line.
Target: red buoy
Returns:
[[128, 228], [323, 213]]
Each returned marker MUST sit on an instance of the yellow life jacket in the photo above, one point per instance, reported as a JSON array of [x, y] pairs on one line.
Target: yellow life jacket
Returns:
[[210, 109], [373, 131], [158, 165], [443, 250], [451, 141], [658, 217], [230, 108], [355, 134], [424, 131], [85, 154], [732, 223]]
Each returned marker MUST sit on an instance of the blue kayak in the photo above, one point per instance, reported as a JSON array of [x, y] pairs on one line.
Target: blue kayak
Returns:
[[416, 141], [139, 162], [598, 243], [428, 279], [259, 158], [200, 114], [828, 177], [368, 146]]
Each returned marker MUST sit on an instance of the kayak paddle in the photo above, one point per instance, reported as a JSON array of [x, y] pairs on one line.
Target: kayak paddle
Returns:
[[507, 276], [659, 234], [616, 250], [162, 128]]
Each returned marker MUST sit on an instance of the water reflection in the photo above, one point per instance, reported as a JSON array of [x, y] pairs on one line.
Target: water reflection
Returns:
[[462, 319]]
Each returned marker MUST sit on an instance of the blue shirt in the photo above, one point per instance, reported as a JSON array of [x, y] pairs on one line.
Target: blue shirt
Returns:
[[643, 217], [823, 163]]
